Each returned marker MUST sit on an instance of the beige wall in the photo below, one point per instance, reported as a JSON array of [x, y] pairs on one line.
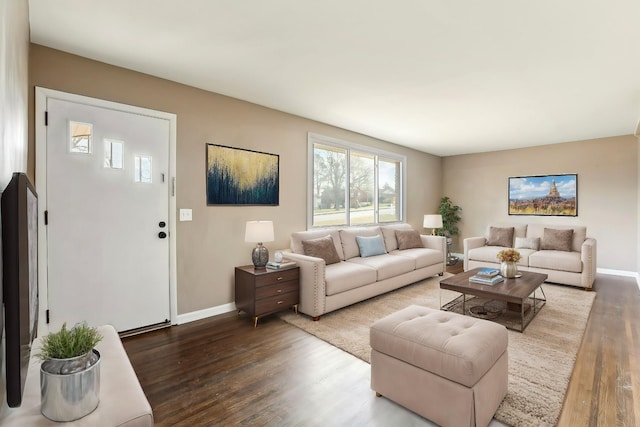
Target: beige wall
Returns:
[[209, 247], [607, 171], [14, 55]]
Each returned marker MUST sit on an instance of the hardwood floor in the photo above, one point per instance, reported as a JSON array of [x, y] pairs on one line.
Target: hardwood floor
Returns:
[[222, 371]]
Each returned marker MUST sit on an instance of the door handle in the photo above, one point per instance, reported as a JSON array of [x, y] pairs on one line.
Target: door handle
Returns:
[[162, 234]]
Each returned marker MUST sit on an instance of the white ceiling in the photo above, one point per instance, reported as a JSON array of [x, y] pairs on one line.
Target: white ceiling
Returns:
[[444, 77]]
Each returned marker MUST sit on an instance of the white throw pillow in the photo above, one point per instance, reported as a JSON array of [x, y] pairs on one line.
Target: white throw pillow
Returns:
[[528, 243]]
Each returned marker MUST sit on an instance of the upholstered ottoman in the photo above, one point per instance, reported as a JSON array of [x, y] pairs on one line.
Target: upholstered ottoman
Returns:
[[449, 368]]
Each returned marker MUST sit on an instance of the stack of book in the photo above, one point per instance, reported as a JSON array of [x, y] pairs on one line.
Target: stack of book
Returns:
[[273, 265], [487, 276]]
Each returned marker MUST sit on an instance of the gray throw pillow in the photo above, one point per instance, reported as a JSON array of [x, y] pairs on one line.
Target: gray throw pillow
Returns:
[[528, 243], [322, 247], [557, 240], [500, 236], [408, 239]]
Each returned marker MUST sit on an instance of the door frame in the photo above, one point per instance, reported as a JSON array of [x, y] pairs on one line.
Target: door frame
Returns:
[[41, 97]]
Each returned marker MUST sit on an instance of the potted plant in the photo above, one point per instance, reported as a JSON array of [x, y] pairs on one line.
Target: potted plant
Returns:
[[70, 372], [450, 217]]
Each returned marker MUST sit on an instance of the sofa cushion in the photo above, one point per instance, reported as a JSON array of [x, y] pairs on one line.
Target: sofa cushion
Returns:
[[408, 239], [370, 246], [322, 247], [528, 243], [387, 266], [423, 257], [490, 253], [556, 260], [298, 237], [557, 240], [345, 276], [389, 234], [348, 239], [500, 236]]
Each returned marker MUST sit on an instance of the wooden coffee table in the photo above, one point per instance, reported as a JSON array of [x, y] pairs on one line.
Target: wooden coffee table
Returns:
[[512, 302]]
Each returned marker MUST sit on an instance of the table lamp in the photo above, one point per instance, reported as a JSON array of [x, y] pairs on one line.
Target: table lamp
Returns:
[[259, 232], [432, 221]]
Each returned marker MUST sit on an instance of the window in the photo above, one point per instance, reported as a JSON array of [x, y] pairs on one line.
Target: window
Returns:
[[142, 169], [353, 185], [113, 154], [80, 137]]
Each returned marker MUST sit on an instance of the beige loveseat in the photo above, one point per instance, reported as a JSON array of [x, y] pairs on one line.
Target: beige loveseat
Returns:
[[564, 253], [350, 277]]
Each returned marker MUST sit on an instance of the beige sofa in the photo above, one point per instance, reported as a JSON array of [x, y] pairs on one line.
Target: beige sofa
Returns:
[[564, 253], [325, 287]]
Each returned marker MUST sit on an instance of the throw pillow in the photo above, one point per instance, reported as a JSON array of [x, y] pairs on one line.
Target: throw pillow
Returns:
[[528, 243], [557, 240], [322, 247], [408, 239], [371, 245], [500, 236]]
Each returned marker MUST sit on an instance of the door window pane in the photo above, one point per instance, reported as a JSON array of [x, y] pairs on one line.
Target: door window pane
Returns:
[[329, 186], [80, 136], [113, 153], [143, 169]]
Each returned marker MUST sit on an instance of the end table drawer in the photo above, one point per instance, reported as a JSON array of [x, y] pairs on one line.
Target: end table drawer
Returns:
[[276, 289], [276, 303], [277, 276]]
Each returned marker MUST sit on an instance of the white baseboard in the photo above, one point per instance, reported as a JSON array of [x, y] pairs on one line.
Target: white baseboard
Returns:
[[207, 312], [620, 273], [617, 272]]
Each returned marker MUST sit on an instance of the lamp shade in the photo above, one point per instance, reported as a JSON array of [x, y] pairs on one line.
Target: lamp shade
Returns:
[[259, 231], [432, 221]]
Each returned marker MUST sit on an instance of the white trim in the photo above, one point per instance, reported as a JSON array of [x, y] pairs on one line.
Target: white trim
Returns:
[[205, 313], [617, 272], [41, 96]]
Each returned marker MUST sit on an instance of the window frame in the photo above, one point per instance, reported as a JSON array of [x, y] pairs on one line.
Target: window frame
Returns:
[[313, 139]]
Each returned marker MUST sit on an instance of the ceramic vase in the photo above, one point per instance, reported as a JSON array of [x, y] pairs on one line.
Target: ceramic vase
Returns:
[[508, 269]]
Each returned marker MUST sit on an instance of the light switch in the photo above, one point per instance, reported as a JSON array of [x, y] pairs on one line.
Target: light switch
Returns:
[[185, 215]]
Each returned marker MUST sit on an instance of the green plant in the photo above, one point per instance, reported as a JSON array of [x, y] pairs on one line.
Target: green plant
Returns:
[[450, 217], [68, 343]]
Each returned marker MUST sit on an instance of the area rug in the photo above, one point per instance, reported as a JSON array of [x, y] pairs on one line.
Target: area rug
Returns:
[[540, 359]]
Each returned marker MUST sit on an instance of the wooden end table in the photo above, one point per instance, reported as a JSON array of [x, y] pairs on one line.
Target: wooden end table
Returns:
[[517, 301], [261, 291]]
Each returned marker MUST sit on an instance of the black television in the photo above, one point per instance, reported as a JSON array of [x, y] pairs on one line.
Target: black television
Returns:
[[19, 203]]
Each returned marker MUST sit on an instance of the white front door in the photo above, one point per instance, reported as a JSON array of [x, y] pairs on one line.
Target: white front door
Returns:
[[108, 186]]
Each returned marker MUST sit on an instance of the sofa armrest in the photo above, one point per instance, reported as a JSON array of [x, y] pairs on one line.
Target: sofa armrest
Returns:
[[588, 253], [471, 243], [438, 243], [312, 283]]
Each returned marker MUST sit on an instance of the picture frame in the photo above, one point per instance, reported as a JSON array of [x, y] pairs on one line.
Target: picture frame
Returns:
[[543, 195], [237, 176]]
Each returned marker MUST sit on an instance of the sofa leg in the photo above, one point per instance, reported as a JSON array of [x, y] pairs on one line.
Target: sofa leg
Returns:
[[315, 319], [441, 273], [378, 394]]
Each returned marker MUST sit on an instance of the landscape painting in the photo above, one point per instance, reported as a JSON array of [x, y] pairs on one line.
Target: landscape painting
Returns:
[[551, 195], [241, 177]]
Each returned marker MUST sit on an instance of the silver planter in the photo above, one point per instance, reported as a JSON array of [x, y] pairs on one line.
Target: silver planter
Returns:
[[70, 388]]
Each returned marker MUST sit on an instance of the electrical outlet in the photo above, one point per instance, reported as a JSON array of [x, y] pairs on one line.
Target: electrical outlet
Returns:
[[186, 215]]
